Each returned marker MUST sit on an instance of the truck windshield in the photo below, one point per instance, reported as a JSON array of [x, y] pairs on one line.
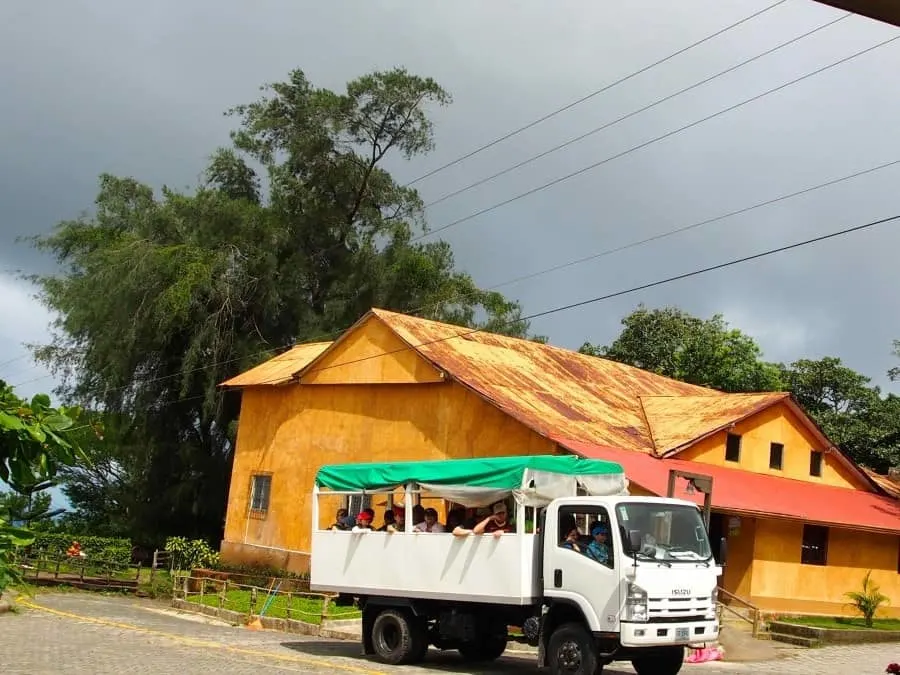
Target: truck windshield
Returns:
[[668, 532]]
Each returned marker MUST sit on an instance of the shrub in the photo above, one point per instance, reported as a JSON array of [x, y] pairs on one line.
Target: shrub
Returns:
[[868, 600], [188, 554], [101, 549]]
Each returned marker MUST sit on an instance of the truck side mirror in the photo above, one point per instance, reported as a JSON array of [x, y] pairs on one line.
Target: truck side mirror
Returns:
[[723, 550], [634, 538]]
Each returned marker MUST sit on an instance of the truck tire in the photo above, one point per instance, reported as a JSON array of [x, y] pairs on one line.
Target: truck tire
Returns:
[[572, 649], [488, 649], [667, 661], [398, 638]]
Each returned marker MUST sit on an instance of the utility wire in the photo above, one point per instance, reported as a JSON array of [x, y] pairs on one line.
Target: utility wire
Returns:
[[581, 100], [640, 146], [660, 101], [627, 291], [532, 275]]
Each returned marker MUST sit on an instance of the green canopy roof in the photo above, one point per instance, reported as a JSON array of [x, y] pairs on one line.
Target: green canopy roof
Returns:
[[499, 473]]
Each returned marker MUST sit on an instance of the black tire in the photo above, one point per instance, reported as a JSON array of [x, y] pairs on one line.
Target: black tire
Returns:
[[489, 649], [666, 661], [572, 649], [397, 638]]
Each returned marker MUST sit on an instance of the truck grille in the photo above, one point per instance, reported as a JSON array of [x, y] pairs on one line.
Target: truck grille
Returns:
[[673, 610]]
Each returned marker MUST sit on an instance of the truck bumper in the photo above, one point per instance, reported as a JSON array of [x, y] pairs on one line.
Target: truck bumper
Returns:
[[663, 634]]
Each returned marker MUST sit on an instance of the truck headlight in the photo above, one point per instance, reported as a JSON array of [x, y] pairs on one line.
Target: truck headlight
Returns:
[[713, 600], [636, 604]]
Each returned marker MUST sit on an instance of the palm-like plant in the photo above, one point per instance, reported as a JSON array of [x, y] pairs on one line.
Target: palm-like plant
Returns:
[[868, 600]]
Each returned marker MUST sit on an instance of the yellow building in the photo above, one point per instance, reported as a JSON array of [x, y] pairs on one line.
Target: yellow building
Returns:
[[802, 521]]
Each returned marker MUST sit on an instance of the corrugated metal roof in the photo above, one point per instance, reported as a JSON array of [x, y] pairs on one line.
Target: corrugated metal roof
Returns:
[[676, 421], [279, 369], [891, 487], [552, 390]]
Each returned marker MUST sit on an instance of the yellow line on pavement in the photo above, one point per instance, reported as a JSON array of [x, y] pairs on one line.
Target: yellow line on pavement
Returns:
[[195, 642]]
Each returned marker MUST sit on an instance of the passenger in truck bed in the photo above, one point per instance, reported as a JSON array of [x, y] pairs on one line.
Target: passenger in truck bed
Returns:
[[429, 522], [496, 523]]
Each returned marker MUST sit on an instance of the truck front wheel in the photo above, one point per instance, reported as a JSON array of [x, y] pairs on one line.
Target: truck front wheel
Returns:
[[398, 638], [572, 650], [667, 661]]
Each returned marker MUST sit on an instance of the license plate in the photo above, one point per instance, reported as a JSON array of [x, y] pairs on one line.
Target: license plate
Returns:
[[682, 633]]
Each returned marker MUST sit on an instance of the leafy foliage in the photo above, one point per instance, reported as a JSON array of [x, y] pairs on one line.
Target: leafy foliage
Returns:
[[868, 599], [296, 231], [107, 549], [32, 440], [705, 352], [191, 554], [10, 538]]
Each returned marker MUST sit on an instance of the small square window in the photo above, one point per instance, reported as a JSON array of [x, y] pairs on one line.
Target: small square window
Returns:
[[733, 448], [776, 456], [815, 463], [815, 545], [260, 491]]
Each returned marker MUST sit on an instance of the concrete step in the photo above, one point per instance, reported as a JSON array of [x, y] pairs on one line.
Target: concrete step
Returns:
[[797, 640]]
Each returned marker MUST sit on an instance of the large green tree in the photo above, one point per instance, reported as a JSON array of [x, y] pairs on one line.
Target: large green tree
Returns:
[[706, 352], [296, 231], [851, 412]]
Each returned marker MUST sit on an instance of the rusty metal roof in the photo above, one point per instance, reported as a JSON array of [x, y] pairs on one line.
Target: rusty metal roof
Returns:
[[891, 487], [676, 421], [279, 369], [556, 392], [552, 390]]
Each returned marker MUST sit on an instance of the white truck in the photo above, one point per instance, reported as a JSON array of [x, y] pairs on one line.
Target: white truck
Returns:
[[648, 594]]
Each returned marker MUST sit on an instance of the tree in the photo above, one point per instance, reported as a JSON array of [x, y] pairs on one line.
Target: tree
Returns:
[[850, 411], [868, 599], [31, 510], [33, 446], [296, 231], [705, 352]]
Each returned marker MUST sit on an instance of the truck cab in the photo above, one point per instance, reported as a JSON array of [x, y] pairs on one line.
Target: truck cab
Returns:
[[652, 591]]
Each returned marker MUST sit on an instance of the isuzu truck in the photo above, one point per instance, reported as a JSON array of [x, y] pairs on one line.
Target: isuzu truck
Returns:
[[558, 551]]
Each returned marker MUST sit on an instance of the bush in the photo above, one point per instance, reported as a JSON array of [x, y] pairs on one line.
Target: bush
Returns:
[[261, 575], [191, 554], [868, 599], [105, 549]]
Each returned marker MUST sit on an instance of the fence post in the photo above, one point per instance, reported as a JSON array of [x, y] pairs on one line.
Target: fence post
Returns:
[[253, 593], [223, 596], [202, 591], [58, 563], [325, 602], [290, 605], [138, 577]]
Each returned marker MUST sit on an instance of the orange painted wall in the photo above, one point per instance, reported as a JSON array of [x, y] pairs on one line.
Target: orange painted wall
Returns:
[[371, 353], [738, 575], [781, 583], [777, 424], [292, 430]]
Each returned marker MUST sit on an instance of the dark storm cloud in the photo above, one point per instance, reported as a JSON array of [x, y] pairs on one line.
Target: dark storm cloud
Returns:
[[139, 88]]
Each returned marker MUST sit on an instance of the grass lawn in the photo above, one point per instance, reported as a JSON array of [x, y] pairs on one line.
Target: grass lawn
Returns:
[[298, 607], [843, 623]]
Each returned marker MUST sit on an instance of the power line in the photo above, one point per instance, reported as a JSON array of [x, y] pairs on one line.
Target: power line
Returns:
[[640, 146], [660, 101], [531, 275], [591, 95], [18, 358], [627, 291]]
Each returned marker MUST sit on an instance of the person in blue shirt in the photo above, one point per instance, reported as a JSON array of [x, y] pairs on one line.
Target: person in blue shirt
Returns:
[[598, 549]]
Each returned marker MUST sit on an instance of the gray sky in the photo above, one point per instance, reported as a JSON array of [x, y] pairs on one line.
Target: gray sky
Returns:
[[139, 89]]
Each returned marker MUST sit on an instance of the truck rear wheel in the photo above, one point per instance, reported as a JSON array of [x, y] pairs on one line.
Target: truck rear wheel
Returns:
[[666, 661], [398, 638], [572, 649]]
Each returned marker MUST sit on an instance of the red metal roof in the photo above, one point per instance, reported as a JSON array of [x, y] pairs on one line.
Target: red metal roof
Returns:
[[754, 494]]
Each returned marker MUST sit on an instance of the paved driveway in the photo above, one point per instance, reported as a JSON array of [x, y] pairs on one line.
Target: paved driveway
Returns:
[[84, 633]]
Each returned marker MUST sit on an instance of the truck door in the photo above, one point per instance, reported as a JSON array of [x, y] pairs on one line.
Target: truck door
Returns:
[[581, 567]]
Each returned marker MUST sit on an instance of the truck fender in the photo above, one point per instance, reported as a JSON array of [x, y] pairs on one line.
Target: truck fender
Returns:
[[561, 610], [587, 613]]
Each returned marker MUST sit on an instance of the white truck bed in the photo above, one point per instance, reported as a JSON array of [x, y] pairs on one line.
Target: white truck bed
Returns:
[[476, 568]]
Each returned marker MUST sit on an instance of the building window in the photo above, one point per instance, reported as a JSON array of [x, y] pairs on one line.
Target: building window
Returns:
[[815, 463], [260, 491], [815, 545], [733, 448], [776, 456]]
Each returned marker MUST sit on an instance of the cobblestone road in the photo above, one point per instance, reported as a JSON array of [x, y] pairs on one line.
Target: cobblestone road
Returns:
[[81, 633]]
